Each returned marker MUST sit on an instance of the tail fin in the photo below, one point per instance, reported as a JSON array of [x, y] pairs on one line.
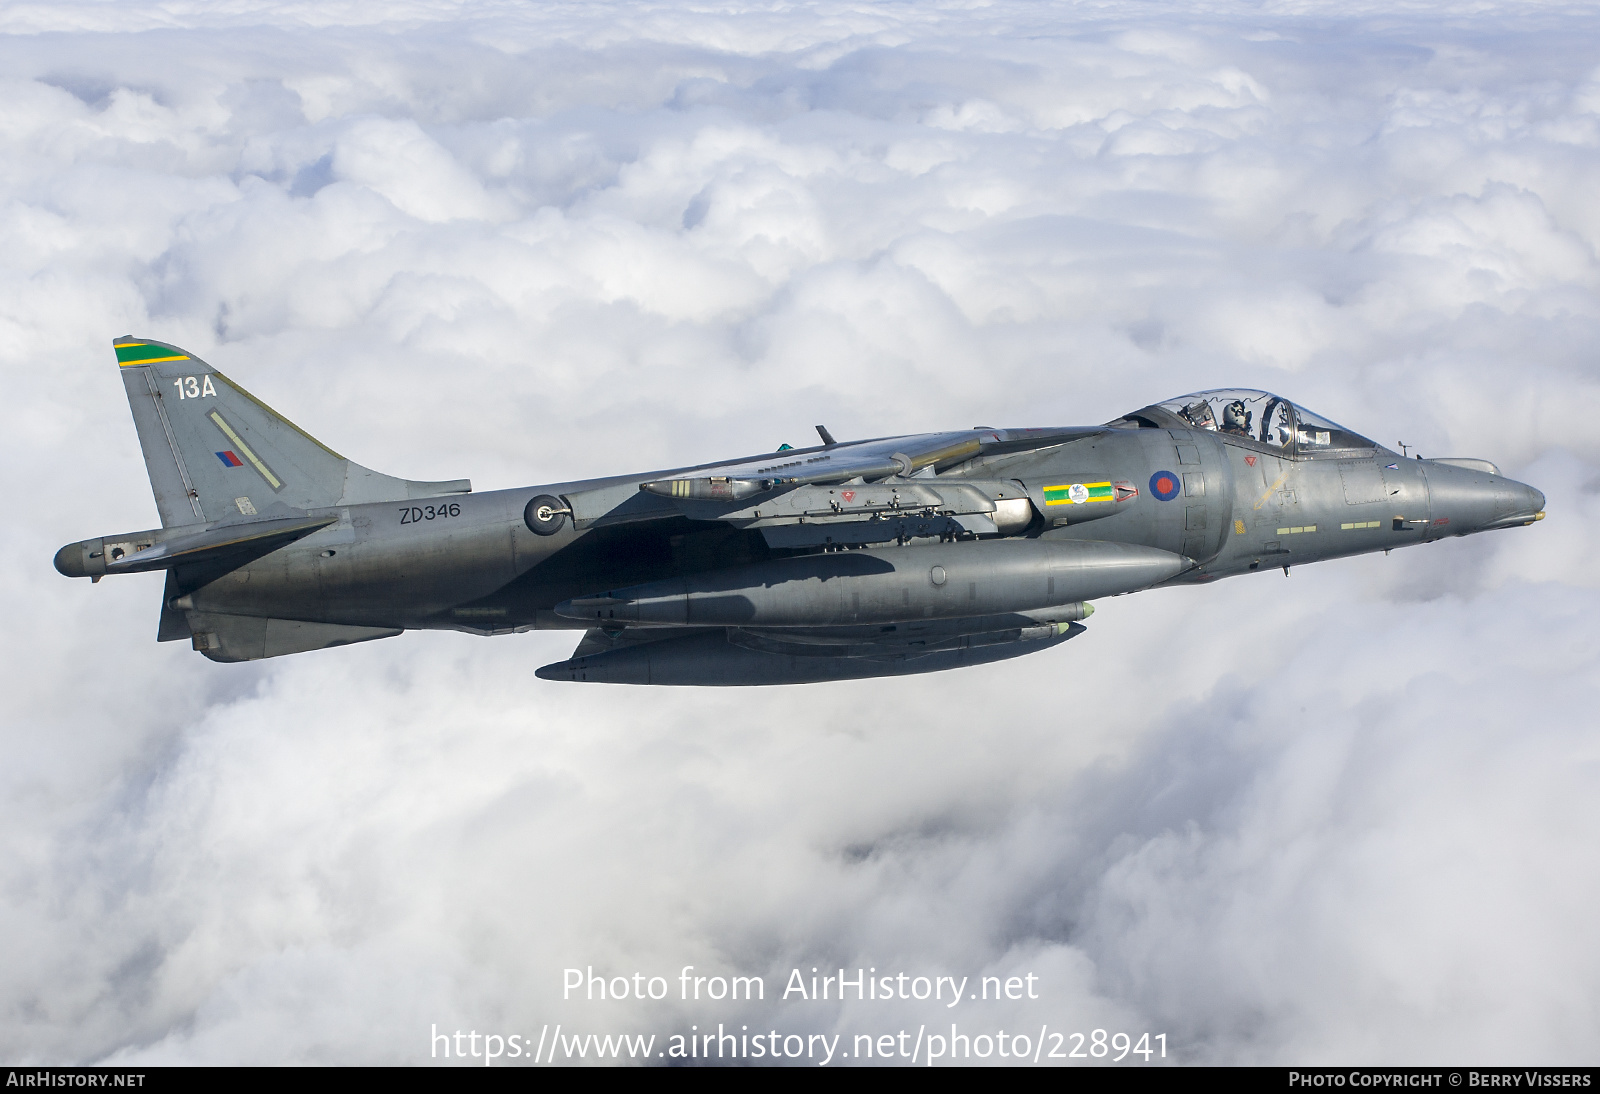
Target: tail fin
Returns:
[[214, 451]]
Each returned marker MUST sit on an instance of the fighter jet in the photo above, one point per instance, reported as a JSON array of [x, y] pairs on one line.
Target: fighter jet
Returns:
[[848, 559]]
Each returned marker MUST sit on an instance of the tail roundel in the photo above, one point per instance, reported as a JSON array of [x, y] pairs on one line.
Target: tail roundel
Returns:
[[215, 452]]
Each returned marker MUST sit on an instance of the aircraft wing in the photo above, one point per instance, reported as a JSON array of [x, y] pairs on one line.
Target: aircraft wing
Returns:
[[723, 491], [868, 461]]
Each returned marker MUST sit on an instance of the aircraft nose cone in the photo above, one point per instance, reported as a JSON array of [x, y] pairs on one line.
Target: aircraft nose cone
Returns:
[[1472, 496], [1535, 499], [1517, 502]]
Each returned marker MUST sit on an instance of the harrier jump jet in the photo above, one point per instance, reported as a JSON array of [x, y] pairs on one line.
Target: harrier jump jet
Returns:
[[850, 559]]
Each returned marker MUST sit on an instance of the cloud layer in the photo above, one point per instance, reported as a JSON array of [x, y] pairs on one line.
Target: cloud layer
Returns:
[[1344, 818]]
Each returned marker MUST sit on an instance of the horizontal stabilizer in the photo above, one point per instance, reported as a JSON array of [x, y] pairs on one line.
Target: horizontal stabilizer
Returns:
[[252, 540]]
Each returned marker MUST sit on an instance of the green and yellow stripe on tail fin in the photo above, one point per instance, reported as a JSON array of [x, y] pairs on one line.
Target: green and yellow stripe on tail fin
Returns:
[[131, 351]]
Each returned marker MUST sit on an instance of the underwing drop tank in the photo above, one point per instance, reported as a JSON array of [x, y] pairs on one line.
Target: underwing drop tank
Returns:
[[943, 581]]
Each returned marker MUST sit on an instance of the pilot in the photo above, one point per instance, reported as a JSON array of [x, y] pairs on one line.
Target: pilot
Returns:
[[1236, 419]]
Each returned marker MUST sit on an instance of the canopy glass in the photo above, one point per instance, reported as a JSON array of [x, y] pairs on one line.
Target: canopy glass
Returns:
[[1268, 420]]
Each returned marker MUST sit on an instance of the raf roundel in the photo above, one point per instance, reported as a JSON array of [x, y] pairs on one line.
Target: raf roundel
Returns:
[[1164, 485]]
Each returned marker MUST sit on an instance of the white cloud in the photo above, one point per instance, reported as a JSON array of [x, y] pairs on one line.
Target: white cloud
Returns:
[[1344, 817]]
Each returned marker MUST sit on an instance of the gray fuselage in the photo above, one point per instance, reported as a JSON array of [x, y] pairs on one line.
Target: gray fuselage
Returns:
[[890, 556], [470, 562]]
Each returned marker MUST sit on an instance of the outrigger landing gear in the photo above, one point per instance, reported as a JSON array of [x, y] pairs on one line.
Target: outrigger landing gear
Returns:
[[546, 514]]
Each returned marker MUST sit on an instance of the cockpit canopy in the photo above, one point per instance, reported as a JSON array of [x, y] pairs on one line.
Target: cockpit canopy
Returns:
[[1259, 419]]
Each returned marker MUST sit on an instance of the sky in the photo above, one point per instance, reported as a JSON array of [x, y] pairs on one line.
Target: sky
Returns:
[[1343, 817]]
